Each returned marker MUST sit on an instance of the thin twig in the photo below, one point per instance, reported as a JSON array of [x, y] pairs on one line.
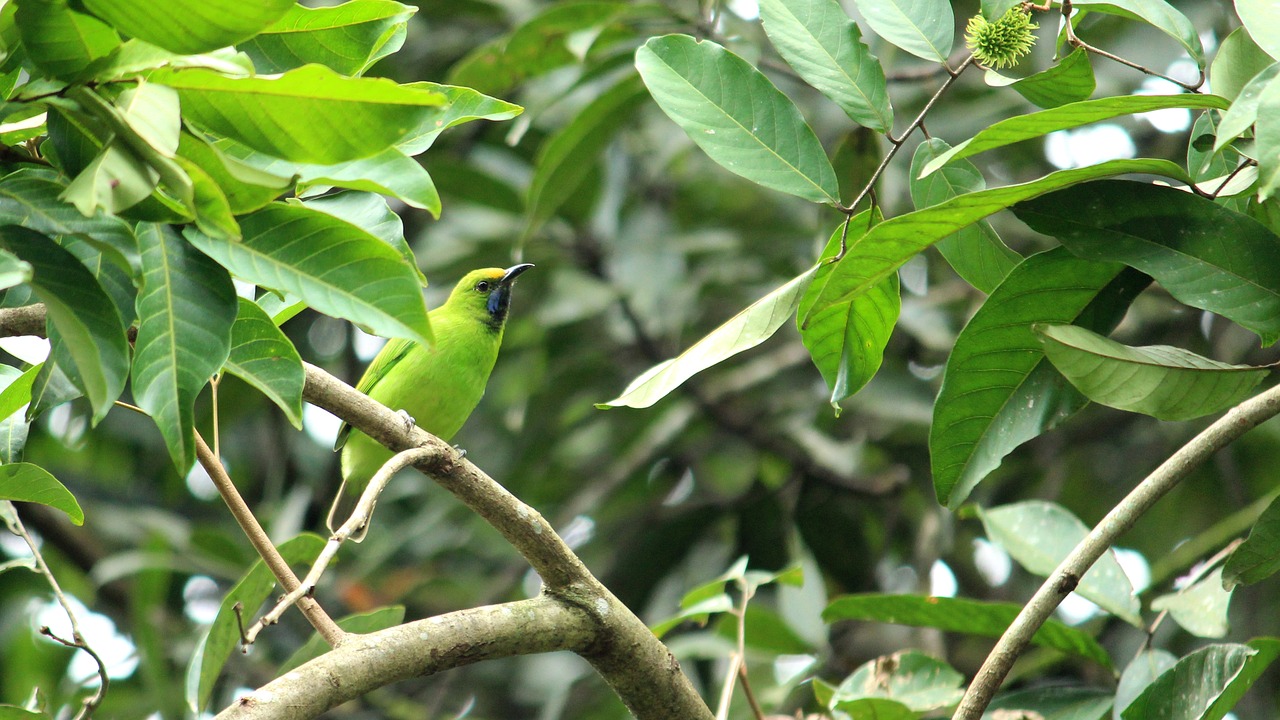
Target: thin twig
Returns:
[[1075, 41], [358, 520], [1225, 430], [751, 696], [1231, 176], [10, 514], [213, 390]]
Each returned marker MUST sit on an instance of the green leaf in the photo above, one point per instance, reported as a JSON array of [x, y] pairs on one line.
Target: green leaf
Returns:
[[32, 483], [975, 252], [30, 199], [1258, 557], [348, 38], [1175, 237], [186, 308], [1138, 675], [847, 340], [60, 41], [1037, 124], [1060, 702], [1261, 18], [1157, 13], [920, 682], [12, 712], [924, 28], [737, 116], [224, 633], [1071, 80], [876, 709], [370, 212], [361, 623], [1238, 59], [246, 188], [896, 240], [213, 214], [567, 157], [1243, 113], [463, 105], [1164, 382], [1190, 688], [757, 323], [1268, 648], [1200, 609], [1267, 139], [16, 386], [117, 281], [1040, 535], [188, 27], [262, 356], [974, 617], [81, 311], [12, 270], [309, 115], [390, 173], [825, 47], [334, 266]]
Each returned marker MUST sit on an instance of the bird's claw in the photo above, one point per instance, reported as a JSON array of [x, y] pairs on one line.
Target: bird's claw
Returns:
[[409, 422], [462, 452]]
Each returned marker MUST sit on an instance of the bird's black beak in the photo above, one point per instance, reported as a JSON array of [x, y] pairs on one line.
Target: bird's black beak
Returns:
[[514, 272]]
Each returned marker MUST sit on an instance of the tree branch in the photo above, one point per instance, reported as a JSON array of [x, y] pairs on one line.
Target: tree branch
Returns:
[[1224, 431]]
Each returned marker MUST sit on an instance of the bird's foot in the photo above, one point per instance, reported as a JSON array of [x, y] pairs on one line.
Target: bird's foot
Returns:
[[462, 452], [409, 422]]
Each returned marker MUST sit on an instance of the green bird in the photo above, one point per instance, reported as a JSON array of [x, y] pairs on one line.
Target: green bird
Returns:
[[438, 386]]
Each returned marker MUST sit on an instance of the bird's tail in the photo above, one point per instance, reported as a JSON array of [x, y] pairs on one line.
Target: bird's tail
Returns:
[[345, 504]]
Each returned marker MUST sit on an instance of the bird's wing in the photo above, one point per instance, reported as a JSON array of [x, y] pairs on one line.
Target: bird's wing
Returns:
[[391, 353]]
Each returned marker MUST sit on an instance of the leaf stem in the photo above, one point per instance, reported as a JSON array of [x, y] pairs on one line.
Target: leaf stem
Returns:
[[1075, 41]]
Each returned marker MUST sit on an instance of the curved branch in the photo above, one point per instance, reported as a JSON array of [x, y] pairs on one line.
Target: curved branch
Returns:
[[1239, 420], [424, 647]]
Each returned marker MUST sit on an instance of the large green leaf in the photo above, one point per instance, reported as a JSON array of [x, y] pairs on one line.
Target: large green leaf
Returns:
[[847, 340], [825, 47], [1238, 59], [998, 391], [32, 483], [924, 28], [1071, 80], [1034, 125], [1261, 18], [1175, 237], [348, 38], [896, 240], [920, 682], [245, 187], [334, 266], [1258, 557], [975, 252], [1040, 535], [1268, 648], [567, 157], [370, 212], [464, 105], [310, 115], [757, 323], [1164, 382], [1187, 690], [189, 26], [224, 634], [737, 116], [60, 41], [262, 356], [87, 322], [988, 619], [1243, 113], [16, 397], [1267, 138], [185, 311], [1157, 13], [1200, 608]]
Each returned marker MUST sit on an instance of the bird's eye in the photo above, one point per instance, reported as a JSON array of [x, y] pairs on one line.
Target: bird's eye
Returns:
[[482, 286]]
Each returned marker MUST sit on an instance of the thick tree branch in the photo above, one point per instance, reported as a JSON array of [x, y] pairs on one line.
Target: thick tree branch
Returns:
[[1224, 431], [367, 662]]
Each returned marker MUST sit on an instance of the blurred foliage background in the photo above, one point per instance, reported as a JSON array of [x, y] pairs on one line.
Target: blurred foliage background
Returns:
[[655, 247]]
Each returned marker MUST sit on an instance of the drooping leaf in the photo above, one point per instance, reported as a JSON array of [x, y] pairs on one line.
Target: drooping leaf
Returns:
[[1268, 649], [825, 47], [924, 28], [1261, 18], [1244, 111], [60, 41], [847, 340], [1187, 690], [262, 356], [186, 308], [1201, 608], [736, 116], [245, 187], [32, 483], [189, 26], [757, 323], [1258, 557], [464, 105], [920, 682], [309, 115], [86, 320], [975, 252], [1040, 535], [1158, 14], [894, 241], [1175, 237], [334, 266], [347, 38], [30, 199], [567, 157], [987, 619], [1065, 117], [224, 634], [1071, 80], [1161, 381]]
